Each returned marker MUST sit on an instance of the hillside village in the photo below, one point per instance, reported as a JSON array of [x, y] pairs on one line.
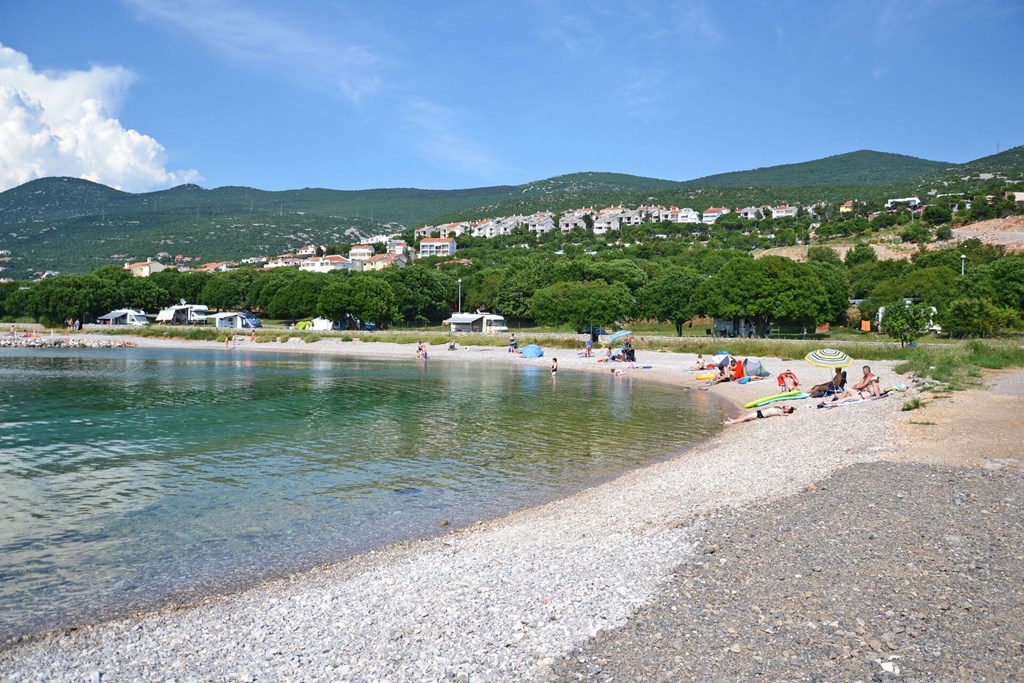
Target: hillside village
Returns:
[[442, 240]]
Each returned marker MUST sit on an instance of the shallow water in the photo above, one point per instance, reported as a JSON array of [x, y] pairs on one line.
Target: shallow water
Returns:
[[130, 478]]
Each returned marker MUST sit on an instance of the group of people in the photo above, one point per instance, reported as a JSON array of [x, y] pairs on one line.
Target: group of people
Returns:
[[868, 387]]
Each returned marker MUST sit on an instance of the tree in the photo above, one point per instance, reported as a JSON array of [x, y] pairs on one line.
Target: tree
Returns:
[[298, 297], [227, 290], [669, 297], [906, 323], [860, 253], [818, 254], [422, 292], [57, 299], [581, 304], [764, 290], [966, 317], [832, 277], [935, 214], [371, 299]]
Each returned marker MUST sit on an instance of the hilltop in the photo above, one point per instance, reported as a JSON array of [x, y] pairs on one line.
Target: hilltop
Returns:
[[74, 225]]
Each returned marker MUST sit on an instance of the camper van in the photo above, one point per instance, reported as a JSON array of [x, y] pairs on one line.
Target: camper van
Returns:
[[235, 320], [191, 314], [124, 316], [477, 323]]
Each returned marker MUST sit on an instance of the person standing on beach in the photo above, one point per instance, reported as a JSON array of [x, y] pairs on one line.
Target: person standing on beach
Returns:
[[513, 345], [589, 346]]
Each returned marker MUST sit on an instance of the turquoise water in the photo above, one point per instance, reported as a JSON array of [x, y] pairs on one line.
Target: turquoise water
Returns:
[[134, 477]]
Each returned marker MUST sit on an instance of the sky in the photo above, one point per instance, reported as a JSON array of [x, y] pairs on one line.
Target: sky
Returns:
[[144, 95]]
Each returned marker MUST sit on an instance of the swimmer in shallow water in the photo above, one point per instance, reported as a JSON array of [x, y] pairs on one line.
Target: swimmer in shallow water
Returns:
[[761, 413]]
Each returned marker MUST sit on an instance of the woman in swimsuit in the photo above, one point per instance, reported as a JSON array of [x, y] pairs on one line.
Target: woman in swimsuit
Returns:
[[760, 414]]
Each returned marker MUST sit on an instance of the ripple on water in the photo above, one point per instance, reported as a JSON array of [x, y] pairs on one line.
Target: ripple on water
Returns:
[[171, 474]]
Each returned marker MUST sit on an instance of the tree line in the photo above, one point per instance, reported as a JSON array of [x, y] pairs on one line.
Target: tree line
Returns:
[[662, 280]]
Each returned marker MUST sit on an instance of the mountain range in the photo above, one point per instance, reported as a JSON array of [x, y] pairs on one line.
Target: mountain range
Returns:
[[74, 225]]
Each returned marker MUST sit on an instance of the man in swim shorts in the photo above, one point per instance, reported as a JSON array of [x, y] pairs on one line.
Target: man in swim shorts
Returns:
[[761, 413]]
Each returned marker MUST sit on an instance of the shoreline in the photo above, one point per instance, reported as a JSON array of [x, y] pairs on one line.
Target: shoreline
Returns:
[[507, 596]]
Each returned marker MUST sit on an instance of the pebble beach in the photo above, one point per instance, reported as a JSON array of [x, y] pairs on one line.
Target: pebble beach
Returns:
[[792, 548]]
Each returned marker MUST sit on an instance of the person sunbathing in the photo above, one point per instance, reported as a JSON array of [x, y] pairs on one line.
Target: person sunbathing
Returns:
[[726, 374], [834, 386], [867, 387], [788, 380], [761, 413]]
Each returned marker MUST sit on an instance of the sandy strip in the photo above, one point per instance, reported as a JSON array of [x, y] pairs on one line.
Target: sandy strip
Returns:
[[503, 599]]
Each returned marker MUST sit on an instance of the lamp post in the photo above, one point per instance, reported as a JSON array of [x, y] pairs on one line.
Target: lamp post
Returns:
[[963, 259], [460, 294]]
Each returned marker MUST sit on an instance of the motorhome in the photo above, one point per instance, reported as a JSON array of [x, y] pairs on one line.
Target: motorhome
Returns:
[[124, 316], [478, 323], [235, 320], [191, 314]]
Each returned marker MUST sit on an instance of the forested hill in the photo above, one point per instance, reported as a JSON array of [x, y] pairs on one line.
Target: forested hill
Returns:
[[855, 168], [74, 225]]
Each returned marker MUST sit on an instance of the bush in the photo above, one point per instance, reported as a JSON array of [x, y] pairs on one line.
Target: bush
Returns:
[[913, 404]]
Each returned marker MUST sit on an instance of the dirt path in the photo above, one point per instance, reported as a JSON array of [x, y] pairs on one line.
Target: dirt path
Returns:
[[976, 428]]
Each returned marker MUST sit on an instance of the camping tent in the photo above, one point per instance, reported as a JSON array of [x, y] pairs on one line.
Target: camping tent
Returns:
[[754, 368], [532, 351]]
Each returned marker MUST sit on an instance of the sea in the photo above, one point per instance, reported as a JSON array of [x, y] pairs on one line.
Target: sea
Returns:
[[135, 478]]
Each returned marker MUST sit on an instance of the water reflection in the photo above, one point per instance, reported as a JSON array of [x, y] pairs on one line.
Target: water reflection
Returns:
[[134, 476]]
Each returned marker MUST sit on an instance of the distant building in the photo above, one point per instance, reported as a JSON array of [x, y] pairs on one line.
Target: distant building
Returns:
[[784, 211], [713, 213], [909, 201], [325, 264], [437, 246], [283, 261], [145, 268], [381, 261], [361, 252]]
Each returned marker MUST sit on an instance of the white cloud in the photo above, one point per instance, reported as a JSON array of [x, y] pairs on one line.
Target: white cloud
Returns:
[[437, 141], [271, 40], [61, 124]]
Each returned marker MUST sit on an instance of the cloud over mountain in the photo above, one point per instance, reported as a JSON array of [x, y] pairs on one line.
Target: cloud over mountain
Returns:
[[63, 124]]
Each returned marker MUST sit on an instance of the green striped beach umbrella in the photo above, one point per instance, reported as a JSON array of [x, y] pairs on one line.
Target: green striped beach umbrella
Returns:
[[828, 358]]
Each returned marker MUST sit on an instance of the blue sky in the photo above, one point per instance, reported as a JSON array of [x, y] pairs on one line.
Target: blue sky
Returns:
[[147, 94]]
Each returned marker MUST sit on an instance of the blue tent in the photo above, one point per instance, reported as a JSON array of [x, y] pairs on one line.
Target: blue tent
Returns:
[[532, 351]]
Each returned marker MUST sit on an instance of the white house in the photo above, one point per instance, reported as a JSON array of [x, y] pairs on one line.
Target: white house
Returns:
[[604, 223], [540, 222], [674, 214], [284, 261], [909, 201], [145, 268], [361, 252], [784, 211], [325, 264], [713, 213], [437, 246]]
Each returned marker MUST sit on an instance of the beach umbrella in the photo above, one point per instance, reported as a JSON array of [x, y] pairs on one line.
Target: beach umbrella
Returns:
[[619, 335], [828, 358], [532, 351]]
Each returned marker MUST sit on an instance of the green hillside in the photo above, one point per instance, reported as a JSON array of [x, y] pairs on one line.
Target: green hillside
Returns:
[[73, 225], [855, 168]]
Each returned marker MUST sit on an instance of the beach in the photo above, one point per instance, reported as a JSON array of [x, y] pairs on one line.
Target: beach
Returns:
[[654, 574]]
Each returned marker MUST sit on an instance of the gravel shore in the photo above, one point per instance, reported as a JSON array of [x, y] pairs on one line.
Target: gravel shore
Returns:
[[584, 587]]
